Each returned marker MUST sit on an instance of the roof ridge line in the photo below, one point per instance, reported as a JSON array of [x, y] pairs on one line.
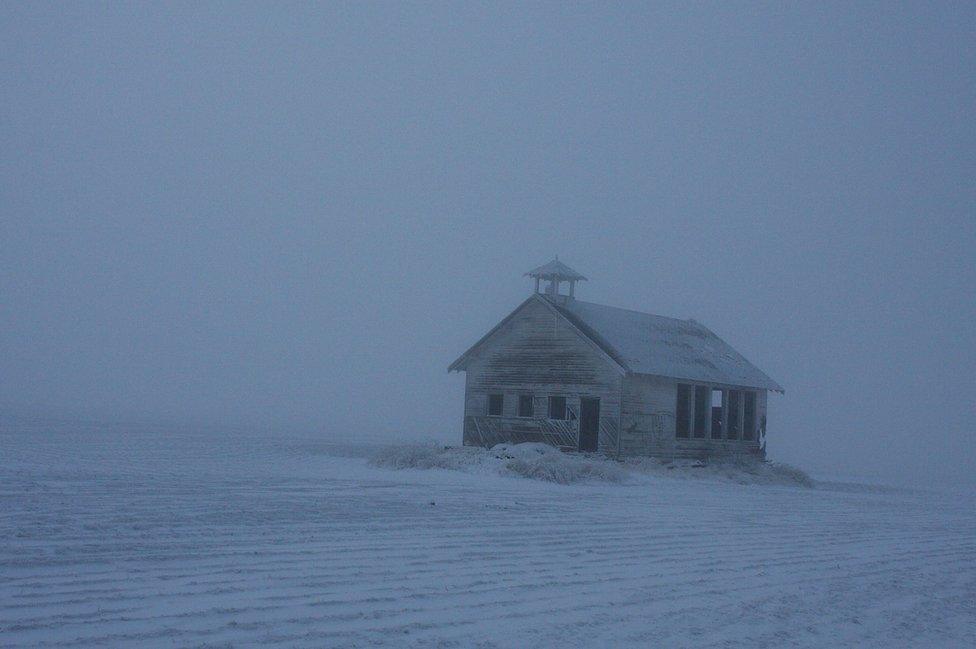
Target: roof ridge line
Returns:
[[656, 315]]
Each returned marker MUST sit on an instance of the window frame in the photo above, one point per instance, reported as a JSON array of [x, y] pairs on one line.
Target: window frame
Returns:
[[702, 398], [749, 432], [501, 404], [518, 406], [683, 415], [565, 408], [718, 433], [733, 405]]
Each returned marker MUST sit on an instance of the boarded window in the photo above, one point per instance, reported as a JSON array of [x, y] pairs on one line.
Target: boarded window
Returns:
[[682, 416], [749, 416], [557, 407], [702, 395], [496, 403], [525, 408], [735, 400]]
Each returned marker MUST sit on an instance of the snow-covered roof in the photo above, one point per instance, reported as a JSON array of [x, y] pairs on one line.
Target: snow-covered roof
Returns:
[[555, 268], [652, 344]]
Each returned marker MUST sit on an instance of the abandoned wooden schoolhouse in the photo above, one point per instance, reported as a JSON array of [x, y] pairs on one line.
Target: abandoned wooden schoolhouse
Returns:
[[589, 377]]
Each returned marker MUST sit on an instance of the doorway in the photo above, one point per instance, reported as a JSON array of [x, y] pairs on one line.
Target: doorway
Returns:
[[589, 424]]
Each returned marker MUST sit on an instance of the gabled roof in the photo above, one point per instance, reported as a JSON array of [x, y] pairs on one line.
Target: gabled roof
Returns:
[[555, 268], [653, 344], [460, 363], [642, 343]]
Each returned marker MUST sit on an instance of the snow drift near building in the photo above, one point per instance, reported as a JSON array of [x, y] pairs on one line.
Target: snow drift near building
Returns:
[[546, 463], [530, 460]]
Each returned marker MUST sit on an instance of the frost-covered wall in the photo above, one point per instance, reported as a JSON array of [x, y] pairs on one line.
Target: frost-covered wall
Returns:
[[537, 352], [648, 417], [647, 414]]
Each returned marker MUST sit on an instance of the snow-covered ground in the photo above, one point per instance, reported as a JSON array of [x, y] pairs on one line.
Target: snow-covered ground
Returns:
[[115, 536]]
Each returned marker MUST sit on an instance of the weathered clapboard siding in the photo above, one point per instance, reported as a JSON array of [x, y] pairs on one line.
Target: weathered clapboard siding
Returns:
[[538, 352], [646, 414], [648, 419], [705, 448]]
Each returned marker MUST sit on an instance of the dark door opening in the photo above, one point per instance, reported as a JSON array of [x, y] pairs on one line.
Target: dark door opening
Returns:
[[589, 424]]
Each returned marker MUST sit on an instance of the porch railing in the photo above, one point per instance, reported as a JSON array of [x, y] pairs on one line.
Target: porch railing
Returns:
[[564, 433]]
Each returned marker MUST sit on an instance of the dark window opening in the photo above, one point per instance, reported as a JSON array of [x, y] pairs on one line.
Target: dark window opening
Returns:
[[525, 407], [682, 417], [496, 404], [702, 395], [717, 396], [557, 407], [735, 400], [749, 416]]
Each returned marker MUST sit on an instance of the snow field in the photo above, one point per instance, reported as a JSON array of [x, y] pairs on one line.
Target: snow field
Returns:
[[134, 538]]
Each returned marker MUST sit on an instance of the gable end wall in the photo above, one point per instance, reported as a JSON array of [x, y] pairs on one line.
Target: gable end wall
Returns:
[[538, 352]]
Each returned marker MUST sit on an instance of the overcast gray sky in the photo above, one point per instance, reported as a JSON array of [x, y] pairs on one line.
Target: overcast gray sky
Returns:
[[297, 216]]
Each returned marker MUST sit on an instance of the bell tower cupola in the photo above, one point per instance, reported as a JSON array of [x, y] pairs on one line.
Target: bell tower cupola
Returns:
[[555, 273]]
